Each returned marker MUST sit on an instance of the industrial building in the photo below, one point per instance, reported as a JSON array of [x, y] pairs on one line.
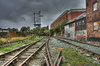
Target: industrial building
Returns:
[[67, 15], [76, 28], [93, 20]]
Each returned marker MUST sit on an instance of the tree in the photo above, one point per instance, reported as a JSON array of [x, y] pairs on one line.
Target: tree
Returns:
[[13, 30], [25, 31], [41, 31]]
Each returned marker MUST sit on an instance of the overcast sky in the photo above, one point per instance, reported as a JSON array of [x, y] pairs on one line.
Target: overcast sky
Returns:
[[18, 13]]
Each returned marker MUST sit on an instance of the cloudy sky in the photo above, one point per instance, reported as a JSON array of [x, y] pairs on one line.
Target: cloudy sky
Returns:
[[18, 13]]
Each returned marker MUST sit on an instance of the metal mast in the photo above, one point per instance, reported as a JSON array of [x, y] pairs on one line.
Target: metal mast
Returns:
[[37, 19]]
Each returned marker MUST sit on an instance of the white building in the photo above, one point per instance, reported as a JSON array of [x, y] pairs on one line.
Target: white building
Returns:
[[76, 28], [70, 30]]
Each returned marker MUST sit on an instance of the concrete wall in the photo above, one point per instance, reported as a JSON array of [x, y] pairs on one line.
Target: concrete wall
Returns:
[[70, 32]]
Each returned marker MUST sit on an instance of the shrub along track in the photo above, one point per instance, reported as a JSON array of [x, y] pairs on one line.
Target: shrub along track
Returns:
[[9, 43], [92, 50]]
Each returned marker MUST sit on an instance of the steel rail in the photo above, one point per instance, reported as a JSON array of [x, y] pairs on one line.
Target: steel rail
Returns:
[[58, 56], [24, 63], [80, 42], [19, 53], [4, 54], [48, 54], [46, 60], [59, 61], [89, 51]]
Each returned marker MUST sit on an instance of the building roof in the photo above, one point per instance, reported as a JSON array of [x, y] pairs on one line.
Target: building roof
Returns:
[[77, 18], [70, 10], [3, 29]]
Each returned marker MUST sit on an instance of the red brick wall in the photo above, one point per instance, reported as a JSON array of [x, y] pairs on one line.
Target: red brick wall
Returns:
[[13, 34], [92, 16], [75, 14], [58, 21], [68, 16], [81, 37]]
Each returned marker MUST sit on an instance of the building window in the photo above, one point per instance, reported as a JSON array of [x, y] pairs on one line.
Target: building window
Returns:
[[95, 26], [71, 25], [83, 22], [95, 6], [87, 4]]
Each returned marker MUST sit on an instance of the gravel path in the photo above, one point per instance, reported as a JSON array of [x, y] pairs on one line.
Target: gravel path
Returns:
[[59, 44]]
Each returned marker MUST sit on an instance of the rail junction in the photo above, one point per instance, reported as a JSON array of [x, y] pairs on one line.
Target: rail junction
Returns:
[[28, 55]]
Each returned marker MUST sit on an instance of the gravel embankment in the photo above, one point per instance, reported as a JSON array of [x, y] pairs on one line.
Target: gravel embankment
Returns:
[[89, 47], [55, 44]]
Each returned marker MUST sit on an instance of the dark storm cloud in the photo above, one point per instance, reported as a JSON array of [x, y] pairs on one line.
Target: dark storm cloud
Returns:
[[17, 13]]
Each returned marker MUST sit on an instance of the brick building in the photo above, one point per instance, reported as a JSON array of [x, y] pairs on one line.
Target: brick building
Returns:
[[93, 19], [76, 28], [68, 15]]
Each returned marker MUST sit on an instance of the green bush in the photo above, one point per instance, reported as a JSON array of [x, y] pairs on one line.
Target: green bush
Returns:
[[1, 42]]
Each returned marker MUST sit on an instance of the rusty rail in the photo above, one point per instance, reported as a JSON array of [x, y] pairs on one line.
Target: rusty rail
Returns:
[[48, 54], [2, 55], [59, 61], [58, 56], [86, 50], [80, 42], [48, 59], [24, 63], [18, 54]]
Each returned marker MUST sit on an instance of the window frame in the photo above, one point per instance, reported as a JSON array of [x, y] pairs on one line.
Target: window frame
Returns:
[[95, 6], [95, 29]]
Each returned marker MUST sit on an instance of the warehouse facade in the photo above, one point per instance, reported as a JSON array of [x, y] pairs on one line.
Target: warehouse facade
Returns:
[[67, 15], [93, 19], [76, 29]]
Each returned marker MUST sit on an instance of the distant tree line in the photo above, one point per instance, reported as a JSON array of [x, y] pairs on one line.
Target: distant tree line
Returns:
[[25, 31]]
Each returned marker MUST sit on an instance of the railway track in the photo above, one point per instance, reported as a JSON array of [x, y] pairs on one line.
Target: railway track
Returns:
[[49, 61], [34, 54], [6, 56], [23, 57], [91, 52], [80, 42]]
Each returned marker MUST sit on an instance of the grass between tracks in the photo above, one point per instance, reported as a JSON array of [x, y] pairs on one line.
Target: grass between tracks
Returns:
[[15, 45], [74, 58]]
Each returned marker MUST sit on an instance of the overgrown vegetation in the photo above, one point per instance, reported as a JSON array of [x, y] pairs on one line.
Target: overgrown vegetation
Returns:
[[10, 39], [42, 31], [59, 29], [74, 58], [18, 44]]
